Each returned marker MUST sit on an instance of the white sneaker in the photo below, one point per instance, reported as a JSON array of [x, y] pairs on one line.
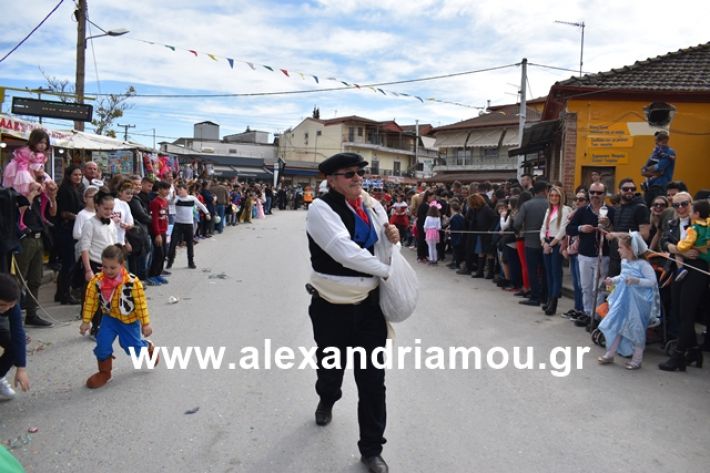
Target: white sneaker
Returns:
[[6, 391]]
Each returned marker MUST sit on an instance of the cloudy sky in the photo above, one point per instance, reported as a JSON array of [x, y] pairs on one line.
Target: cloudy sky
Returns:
[[356, 41]]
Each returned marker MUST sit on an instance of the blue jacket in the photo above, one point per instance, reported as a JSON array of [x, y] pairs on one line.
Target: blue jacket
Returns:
[[457, 223], [661, 161], [17, 346]]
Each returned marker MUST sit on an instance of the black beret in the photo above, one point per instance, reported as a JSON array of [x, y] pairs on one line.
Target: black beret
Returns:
[[340, 161]]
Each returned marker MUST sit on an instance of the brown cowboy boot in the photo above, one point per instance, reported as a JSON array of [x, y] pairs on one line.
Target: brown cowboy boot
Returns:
[[99, 379], [151, 347]]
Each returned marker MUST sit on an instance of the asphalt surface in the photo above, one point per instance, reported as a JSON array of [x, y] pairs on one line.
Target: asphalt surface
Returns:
[[598, 418]]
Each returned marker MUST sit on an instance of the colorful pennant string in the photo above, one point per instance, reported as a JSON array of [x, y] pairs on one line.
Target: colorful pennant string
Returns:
[[288, 74]]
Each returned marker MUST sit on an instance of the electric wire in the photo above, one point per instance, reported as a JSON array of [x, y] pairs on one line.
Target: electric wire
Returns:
[[31, 32]]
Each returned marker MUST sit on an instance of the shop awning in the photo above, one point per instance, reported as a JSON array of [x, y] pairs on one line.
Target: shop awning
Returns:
[[537, 137], [483, 138], [511, 137], [451, 140]]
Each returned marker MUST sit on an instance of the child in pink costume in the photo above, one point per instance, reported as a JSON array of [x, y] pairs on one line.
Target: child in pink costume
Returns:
[[26, 171]]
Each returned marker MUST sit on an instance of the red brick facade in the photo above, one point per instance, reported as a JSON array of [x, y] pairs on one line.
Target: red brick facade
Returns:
[[569, 152]]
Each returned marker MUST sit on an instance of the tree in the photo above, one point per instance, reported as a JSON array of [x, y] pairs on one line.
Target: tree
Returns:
[[110, 108], [106, 110]]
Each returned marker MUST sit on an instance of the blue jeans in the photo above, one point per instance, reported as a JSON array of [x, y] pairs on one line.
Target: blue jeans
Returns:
[[129, 335], [219, 210], [576, 283], [533, 257], [267, 206], [553, 272]]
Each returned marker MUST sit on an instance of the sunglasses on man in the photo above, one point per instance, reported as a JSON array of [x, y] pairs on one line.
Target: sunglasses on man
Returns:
[[596, 192], [628, 189], [350, 174]]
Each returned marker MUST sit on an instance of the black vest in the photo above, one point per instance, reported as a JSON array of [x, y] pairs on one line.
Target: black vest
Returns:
[[320, 260]]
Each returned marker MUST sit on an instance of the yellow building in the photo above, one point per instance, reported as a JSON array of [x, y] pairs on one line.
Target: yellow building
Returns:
[[606, 122]]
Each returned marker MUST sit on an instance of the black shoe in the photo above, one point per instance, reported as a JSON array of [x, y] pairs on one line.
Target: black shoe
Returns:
[[463, 271], [675, 363], [191, 266], [57, 297], [530, 302], [551, 307], [375, 464], [324, 414], [582, 321], [70, 300], [694, 355], [522, 293], [167, 273], [168, 266], [36, 321]]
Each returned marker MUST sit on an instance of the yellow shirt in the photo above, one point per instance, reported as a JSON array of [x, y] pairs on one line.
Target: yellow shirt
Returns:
[[127, 304]]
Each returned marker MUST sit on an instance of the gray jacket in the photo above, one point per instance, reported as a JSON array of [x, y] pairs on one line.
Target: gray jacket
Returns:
[[530, 218]]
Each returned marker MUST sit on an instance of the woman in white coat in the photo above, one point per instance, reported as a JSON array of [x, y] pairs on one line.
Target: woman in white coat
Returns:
[[552, 233]]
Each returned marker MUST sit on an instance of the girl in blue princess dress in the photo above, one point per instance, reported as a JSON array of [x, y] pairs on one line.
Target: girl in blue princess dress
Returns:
[[633, 304]]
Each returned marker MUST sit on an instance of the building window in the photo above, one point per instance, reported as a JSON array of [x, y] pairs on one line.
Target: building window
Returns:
[[397, 170], [490, 153], [319, 132], [305, 138], [232, 151], [351, 134], [374, 166], [359, 131]]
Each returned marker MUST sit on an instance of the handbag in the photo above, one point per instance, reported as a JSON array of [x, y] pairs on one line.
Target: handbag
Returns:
[[400, 292]]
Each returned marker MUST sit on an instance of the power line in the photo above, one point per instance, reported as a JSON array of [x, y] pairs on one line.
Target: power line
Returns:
[[32, 32], [328, 89], [545, 66]]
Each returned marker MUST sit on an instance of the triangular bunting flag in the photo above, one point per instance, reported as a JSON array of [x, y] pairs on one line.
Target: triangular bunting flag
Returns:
[[193, 52], [231, 62], [170, 47], [252, 66], [419, 98], [213, 57], [356, 86], [343, 82], [315, 78], [383, 92], [285, 72], [302, 76], [269, 68]]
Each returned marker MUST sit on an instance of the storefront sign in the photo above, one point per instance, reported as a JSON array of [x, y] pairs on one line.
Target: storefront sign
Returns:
[[22, 129], [609, 136], [602, 158]]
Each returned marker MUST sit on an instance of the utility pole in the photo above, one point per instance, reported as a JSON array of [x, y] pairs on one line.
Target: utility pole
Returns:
[[80, 15], [523, 109], [125, 132], [416, 147], [153, 139]]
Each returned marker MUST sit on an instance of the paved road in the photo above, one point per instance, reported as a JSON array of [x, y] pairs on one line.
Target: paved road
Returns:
[[596, 419]]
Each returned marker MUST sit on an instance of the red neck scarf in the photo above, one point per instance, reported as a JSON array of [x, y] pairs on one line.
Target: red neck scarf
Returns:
[[108, 285], [357, 205]]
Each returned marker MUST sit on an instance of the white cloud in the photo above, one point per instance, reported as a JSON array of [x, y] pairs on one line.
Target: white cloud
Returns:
[[359, 41]]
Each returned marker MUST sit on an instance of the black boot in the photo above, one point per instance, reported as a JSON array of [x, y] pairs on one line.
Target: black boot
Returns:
[[480, 267], [675, 363], [551, 306], [694, 355], [490, 268]]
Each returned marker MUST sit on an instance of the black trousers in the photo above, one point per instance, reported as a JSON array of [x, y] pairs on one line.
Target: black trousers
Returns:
[[686, 297], [422, 248], [156, 265], [182, 231], [362, 325]]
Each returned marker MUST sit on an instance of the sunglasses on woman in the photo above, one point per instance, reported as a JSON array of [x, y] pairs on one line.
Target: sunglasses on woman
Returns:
[[681, 204], [350, 174], [659, 205]]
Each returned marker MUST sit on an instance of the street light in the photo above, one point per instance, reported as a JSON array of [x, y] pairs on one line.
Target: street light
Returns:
[[581, 26], [80, 15]]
